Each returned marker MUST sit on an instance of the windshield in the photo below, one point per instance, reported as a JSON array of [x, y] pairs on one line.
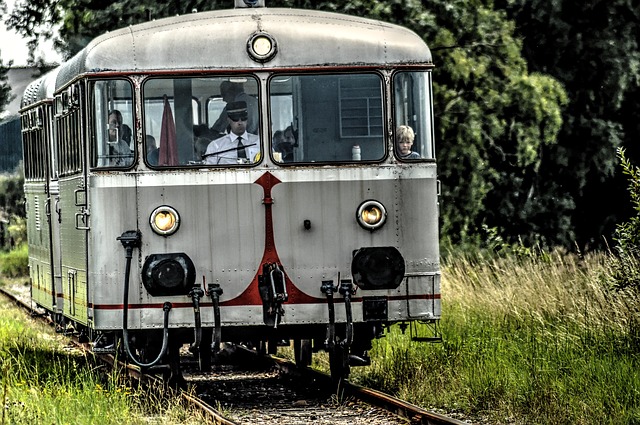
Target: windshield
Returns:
[[215, 121], [201, 121], [327, 118]]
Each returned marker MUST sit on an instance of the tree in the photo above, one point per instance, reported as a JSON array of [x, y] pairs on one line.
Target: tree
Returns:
[[592, 49], [5, 89], [493, 117]]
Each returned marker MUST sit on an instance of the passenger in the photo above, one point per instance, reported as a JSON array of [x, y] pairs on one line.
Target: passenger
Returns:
[[279, 146], [404, 141], [237, 147], [234, 92], [119, 151], [153, 152], [278, 138], [287, 144]]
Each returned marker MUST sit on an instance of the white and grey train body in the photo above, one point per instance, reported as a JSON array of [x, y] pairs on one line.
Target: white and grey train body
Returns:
[[328, 236]]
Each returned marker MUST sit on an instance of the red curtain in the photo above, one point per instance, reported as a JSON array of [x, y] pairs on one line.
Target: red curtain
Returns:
[[168, 147]]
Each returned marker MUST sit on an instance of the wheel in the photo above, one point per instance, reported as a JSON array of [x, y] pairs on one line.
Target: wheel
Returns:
[[302, 352]]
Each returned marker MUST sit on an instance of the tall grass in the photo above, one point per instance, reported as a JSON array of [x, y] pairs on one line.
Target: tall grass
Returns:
[[44, 382], [540, 340]]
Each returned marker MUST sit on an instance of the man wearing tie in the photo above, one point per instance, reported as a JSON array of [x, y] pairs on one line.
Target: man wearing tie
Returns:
[[238, 146]]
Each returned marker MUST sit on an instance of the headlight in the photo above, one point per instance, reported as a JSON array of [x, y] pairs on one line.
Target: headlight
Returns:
[[262, 47], [371, 215], [378, 268], [164, 220]]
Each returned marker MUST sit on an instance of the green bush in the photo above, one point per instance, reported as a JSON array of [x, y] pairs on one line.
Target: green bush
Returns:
[[625, 264], [15, 263]]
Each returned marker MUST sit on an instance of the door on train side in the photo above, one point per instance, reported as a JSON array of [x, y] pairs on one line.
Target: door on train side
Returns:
[[73, 214], [55, 218], [35, 139]]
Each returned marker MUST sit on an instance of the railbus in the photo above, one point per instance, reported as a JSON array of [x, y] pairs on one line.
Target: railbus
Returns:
[[249, 175]]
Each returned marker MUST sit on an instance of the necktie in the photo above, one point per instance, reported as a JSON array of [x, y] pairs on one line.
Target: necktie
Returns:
[[242, 152]]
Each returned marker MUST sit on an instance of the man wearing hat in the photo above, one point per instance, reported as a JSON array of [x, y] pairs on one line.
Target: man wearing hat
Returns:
[[238, 146], [234, 92]]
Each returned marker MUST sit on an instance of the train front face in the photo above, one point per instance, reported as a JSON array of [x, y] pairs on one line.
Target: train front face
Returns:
[[331, 213], [317, 217], [330, 219]]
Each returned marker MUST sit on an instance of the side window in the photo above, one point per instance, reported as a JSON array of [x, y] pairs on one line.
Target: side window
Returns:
[[413, 133], [112, 119]]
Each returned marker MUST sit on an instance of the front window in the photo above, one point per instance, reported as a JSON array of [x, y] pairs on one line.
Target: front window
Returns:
[[413, 133], [327, 118], [178, 131], [113, 144]]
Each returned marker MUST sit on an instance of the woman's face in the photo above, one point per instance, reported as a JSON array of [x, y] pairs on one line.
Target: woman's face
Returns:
[[114, 128]]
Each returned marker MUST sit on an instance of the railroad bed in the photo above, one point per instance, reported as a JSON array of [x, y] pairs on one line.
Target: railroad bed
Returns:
[[256, 390]]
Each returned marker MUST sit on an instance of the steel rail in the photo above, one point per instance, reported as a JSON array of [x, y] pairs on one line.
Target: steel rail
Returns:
[[416, 414]]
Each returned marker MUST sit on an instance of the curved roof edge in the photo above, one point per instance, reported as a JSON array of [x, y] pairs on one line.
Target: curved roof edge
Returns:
[[218, 40]]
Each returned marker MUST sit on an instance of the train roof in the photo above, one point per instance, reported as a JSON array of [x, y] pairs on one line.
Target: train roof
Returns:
[[218, 40], [40, 89]]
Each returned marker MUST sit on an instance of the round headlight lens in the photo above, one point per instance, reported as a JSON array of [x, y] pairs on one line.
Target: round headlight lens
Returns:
[[262, 47], [164, 220], [371, 215]]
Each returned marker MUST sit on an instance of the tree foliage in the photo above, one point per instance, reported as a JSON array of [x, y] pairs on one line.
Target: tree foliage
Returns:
[[5, 89], [12, 194], [592, 49], [495, 119], [625, 265]]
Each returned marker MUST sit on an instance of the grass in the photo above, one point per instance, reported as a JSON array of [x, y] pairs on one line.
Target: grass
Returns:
[[536, 340], [539, 339], [43, 381], [15, 263]]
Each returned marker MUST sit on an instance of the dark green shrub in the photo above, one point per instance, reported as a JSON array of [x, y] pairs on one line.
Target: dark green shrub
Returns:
[[15, 263], [625, 264]]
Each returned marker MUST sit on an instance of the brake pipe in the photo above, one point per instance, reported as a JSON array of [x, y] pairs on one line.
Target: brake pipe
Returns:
[[214, 290], [196, 293], [130, 240], [327, 289], [346, 289]]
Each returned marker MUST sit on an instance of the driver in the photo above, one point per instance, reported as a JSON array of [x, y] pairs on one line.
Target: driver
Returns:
[[238, 146]]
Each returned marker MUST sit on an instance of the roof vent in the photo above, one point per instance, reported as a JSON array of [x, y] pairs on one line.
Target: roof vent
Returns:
[[249, 3]]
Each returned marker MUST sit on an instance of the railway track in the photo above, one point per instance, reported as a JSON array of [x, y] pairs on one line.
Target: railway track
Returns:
[[246, 388]]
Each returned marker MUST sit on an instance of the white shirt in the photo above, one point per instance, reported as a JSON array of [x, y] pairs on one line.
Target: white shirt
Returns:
[[224, 149]]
